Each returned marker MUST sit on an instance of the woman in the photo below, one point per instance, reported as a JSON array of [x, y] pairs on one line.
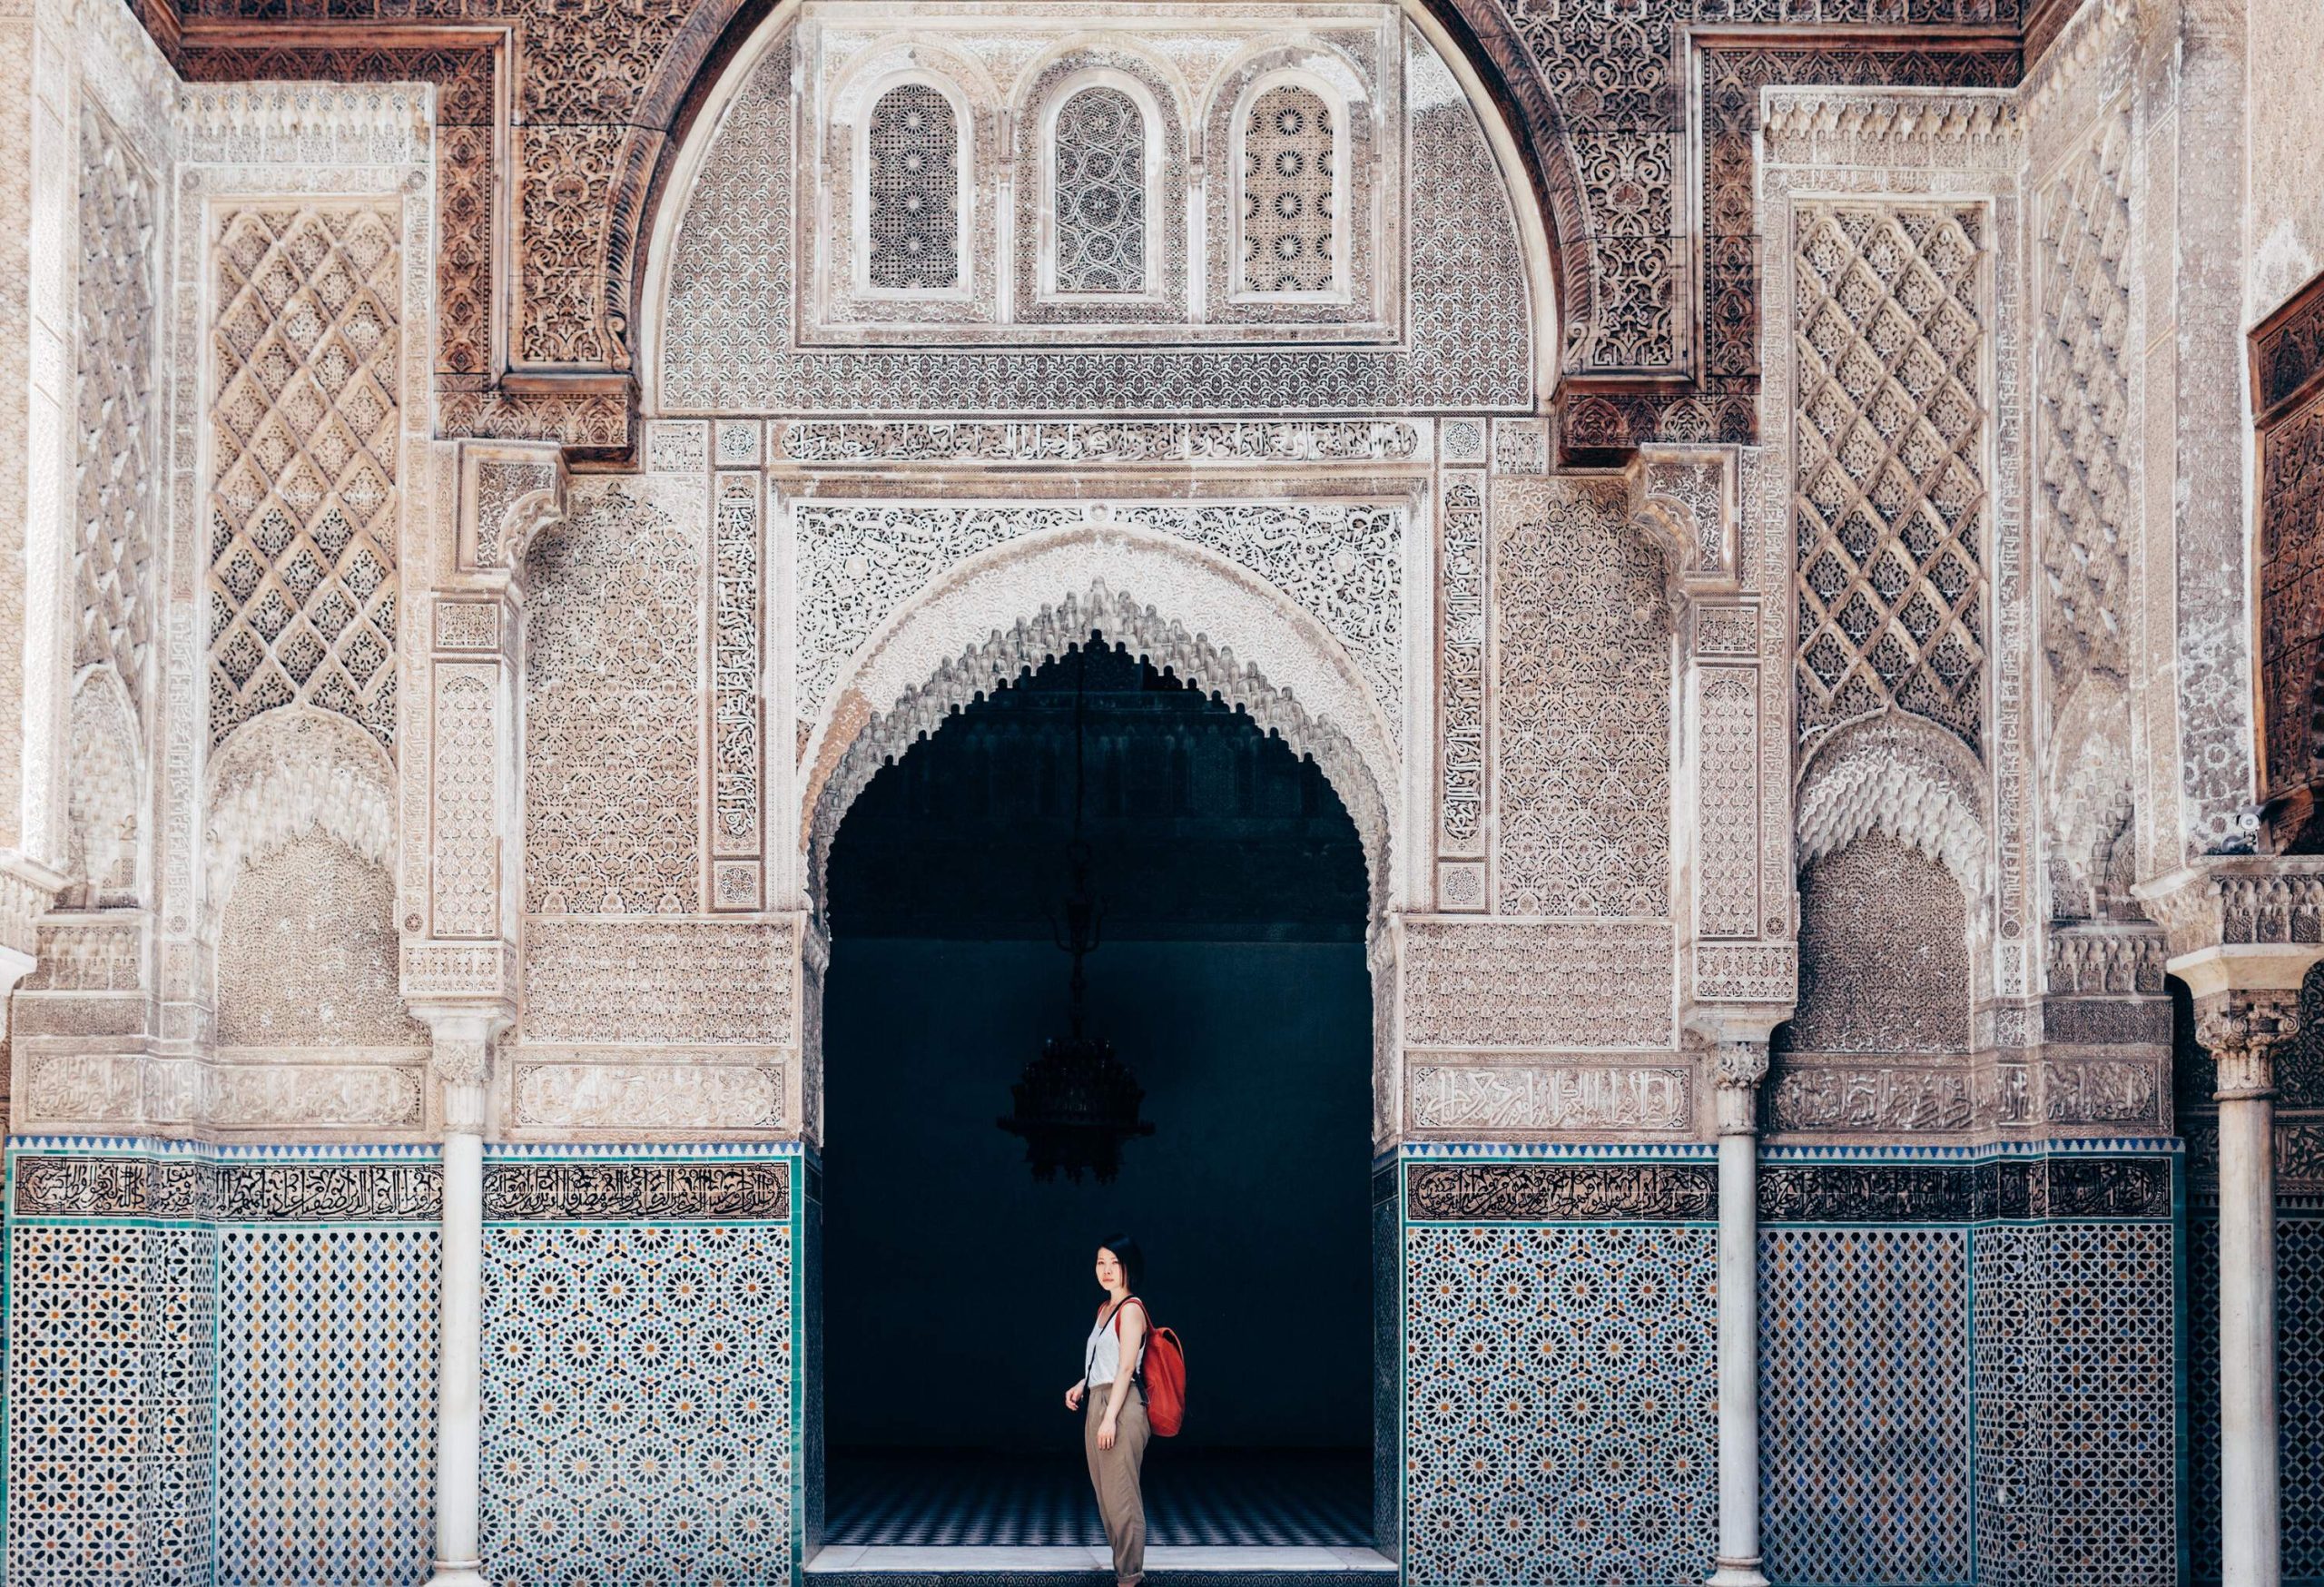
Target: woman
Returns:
[[1114, 1434]]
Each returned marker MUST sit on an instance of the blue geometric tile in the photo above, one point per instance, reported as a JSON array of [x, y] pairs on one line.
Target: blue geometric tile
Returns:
[[1560, 1405], [1864, 1404], [327, 1405], [111, 1418], [637, 1425]]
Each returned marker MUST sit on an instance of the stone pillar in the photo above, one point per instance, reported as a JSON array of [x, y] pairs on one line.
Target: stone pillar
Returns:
[[463, 904], [462, 1064], [1740, 1065], [2240, 1030], [2241, 937]]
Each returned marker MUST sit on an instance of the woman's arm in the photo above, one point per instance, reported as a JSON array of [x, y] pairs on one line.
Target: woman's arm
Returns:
[[1133, 1332], [1073, 1395]]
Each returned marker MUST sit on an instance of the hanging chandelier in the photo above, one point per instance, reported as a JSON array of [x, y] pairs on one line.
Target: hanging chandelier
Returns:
[[1077, 1103]]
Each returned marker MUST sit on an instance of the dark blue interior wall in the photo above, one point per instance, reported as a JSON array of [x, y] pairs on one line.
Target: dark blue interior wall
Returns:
[[959, 1290]]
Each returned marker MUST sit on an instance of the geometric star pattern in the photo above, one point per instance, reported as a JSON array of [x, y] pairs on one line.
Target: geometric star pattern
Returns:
[[637, 1424], [1561, 1415]]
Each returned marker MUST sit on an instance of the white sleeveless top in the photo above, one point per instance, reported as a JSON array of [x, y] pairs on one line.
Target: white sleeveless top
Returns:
[[1103, 1358]]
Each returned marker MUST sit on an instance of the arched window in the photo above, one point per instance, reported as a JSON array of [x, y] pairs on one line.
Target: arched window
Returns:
[[1100, 192], [913, 184], [1288, 170]]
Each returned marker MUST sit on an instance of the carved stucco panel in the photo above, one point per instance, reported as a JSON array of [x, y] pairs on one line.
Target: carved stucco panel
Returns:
[[733, 343], [1888, 156], [1581, 984], [1180, 607], [1581, 710], [613, 719]]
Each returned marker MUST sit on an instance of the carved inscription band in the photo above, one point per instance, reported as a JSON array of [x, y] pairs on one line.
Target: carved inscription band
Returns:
[[645, 1192], [2005, 1188], [63, 1186], [1590, 1192], [2054, 1187], [91, 1187]]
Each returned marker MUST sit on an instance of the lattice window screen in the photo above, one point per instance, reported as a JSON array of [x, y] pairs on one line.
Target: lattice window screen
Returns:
[[1100, 193], [1889, 490], [914, 185], [1287, 160], [302, 562]]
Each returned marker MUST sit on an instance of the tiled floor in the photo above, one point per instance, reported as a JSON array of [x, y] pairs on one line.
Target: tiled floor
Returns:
[[1197, 1499]]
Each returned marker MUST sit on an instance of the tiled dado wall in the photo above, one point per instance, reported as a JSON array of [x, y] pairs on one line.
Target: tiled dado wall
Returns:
[[221, 1365], [642, 1419], [2300, 1368], [1560, 1315], [1968, 1367]]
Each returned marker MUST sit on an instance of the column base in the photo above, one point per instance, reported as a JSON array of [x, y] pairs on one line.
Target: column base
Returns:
[[457, 1573], [1737, 1573]]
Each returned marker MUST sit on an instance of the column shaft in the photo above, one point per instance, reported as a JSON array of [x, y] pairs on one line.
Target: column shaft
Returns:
[[1739, 1362], [2249, 1537], [459, 1406]]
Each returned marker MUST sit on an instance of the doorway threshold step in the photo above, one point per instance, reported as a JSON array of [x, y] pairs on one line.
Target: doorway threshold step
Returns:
[[860, 1565]]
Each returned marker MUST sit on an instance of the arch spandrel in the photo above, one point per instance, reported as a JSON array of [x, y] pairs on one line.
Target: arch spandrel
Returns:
[[1180, 607]]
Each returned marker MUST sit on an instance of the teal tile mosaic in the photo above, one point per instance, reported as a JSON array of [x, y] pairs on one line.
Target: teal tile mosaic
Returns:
[[637, 1404], [1559, 1410], [327, 1405], [1864, 1405]]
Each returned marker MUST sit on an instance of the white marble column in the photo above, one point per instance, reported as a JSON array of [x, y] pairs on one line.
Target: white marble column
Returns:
[[1740, 1066], [463, 1048], [2241, 1037]]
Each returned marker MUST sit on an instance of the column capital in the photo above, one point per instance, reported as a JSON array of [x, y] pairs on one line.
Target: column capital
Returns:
[[462, 1060], [2241, 1028], [1736, 1040], [2239, 923]]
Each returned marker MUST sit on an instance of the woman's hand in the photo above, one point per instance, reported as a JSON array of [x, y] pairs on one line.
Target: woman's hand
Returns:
[[1105, 1433], [1073, 1397]]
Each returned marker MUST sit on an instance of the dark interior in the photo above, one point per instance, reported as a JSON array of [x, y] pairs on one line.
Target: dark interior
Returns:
[[1230, 976]]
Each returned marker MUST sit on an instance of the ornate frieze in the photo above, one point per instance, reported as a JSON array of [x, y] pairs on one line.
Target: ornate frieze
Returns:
[[659, 981], [1551, 1192], [660, 1090], [1538, 984], [1480, 1099], [2068, 1187], [230, 1192], [1017, 443], [522, 1191], [1870, 1096]]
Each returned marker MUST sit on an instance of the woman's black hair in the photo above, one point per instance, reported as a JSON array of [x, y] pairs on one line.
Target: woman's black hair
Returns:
[[1126, 1252]]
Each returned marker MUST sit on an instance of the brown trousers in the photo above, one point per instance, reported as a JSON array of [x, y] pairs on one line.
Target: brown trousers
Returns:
[[1113, 1473]]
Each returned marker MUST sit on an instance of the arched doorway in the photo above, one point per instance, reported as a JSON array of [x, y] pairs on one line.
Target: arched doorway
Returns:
[[1232, 976]]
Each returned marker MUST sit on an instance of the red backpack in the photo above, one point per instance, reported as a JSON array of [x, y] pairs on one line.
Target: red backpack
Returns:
[[1162, 1372]]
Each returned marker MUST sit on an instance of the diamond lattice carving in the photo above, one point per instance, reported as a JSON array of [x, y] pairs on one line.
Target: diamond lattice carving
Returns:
[[1890, 492], [302, 566], [114, 556], [2085, 409]]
